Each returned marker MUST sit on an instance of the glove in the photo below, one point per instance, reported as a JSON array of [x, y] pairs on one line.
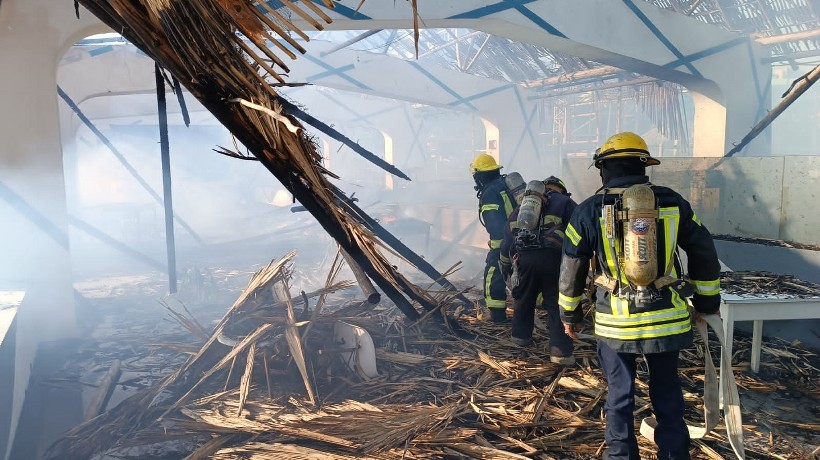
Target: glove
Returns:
[[506, 270], [706, 305], [514, 279], [575, 316], [572, 330]]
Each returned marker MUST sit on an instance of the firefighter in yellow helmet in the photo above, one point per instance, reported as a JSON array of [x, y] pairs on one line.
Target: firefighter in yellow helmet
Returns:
[[495, 204], [630, 230]]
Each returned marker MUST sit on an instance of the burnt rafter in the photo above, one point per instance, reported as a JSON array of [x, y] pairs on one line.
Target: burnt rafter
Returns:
[[198, 43]]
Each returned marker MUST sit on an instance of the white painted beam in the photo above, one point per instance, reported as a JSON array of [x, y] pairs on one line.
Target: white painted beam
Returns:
[[629, 34]]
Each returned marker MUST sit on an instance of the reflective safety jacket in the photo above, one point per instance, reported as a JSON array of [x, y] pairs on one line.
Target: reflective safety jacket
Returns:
[[656, 327], [495, 204]]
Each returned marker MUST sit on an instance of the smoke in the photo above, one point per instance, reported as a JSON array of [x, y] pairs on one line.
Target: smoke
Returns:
[[224, 207], [795, 132]]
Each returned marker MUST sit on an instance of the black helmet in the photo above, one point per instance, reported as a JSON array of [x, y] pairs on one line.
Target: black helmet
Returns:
[[556, 184]]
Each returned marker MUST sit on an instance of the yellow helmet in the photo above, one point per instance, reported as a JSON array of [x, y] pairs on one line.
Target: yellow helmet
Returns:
[[483, 163], [624, 145]]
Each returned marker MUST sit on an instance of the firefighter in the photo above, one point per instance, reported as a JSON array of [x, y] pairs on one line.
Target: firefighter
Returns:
[[495, 204], [531, 252], [631, 320], [556, 184]]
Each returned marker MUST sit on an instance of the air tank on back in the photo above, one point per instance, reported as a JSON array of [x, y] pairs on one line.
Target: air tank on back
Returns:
[[530, 209], [516, 185], [640, 236]]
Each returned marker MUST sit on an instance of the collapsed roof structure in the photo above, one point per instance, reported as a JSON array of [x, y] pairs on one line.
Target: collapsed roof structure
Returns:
[[230, 55]]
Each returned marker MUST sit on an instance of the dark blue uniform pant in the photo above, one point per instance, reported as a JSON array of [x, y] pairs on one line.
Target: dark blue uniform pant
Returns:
[[495, 290], [665, 393], [538, 271]]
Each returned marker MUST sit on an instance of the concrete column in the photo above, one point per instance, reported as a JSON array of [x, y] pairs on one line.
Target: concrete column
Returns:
[[34, 250], [708, 142], [388, 157], [492, 138]]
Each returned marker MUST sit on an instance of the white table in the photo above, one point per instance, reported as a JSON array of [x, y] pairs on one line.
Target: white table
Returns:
[[735, 308]]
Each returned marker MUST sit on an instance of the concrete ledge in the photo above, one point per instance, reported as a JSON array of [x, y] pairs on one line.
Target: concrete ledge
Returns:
[[7, 353], [10, 301]]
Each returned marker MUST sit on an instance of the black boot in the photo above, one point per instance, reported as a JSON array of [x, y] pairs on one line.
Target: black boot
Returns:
[[498, 315]]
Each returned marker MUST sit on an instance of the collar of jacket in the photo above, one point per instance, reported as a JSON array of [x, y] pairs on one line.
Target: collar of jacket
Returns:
[[495, 184], [625, 181]]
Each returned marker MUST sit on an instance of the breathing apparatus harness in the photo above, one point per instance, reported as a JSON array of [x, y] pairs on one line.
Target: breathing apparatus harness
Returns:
[[630, 232], [527, 227], [513, 185]]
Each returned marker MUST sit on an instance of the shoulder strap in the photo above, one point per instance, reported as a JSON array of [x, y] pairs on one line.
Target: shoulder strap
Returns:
[[617, 190], [546, 201], [611, 191]]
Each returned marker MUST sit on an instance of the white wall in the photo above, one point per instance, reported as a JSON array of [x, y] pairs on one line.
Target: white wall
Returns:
[[756, 197], [33, 35]]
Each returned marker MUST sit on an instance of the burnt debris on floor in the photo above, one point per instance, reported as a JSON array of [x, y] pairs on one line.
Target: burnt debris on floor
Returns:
[[269, 381]]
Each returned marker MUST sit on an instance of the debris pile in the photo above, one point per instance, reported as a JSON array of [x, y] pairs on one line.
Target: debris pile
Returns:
[[228, 54], [767, 242], [269, 382], [750, 283]]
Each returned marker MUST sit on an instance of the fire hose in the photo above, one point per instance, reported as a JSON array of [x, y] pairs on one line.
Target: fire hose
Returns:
[[711, 393]]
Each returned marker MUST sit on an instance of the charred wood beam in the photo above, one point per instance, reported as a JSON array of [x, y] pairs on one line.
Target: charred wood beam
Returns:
[[230, 118], [798, 87], [397, 245], [207, 58], [183, 107], [107, 384], [131, 170], [168, 203], [325, 128], [373, 297]]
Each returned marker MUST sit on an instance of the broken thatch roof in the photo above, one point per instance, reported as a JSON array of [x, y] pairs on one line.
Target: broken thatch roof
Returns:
[[231, 55], [435, 397]]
